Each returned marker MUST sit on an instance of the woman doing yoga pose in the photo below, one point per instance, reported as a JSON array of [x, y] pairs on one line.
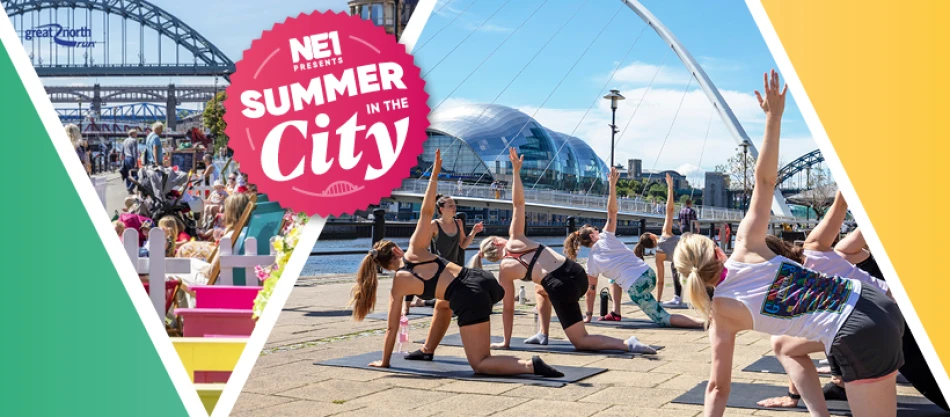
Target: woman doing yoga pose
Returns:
[[755, 289], [563, 280], [470, 293], [818, 254], [611, 258]]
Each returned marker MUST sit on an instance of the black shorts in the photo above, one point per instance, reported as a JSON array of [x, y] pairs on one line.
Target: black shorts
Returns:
[[565, 287], [868, 345], [472, 295]]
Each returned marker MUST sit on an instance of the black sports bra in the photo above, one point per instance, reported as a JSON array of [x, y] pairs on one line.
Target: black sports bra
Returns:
[[529, 265], [428, 291]]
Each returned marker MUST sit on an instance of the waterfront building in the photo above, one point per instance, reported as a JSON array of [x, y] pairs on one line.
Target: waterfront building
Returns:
[[391, 14], [474, 139]]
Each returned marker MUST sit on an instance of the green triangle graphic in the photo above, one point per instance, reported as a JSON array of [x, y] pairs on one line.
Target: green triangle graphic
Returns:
[[73, 344]]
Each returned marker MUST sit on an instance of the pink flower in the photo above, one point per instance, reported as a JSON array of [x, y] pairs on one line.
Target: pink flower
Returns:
[[262, 273]]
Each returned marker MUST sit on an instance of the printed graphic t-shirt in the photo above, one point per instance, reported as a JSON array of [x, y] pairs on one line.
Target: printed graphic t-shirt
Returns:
[[788, 299], [611, 258]]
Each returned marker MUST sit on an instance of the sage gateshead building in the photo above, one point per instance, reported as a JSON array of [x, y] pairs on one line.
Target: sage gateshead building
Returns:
[[474, 139]]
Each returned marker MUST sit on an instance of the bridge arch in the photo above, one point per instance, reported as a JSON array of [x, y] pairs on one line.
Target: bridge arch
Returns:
[[800, 164], [208, 59], [779, 205]]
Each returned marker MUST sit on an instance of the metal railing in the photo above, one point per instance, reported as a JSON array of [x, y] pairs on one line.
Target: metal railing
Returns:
[[560, 198]]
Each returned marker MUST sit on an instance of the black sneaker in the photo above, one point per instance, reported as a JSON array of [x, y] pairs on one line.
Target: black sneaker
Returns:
[[419, 355], [834, 392]]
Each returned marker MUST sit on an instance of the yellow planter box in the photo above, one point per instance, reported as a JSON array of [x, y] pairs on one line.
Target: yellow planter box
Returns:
[[208, 353]]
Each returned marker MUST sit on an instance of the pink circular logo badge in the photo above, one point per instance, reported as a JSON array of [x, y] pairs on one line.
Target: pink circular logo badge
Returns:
[[326, 113]]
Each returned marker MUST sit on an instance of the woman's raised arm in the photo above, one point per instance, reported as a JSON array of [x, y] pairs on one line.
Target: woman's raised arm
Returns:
[[612, 205], [755, 225], [423, 235], [670, 207], [517, 196]]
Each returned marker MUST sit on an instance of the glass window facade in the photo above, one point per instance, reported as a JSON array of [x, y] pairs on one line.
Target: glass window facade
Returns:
[[474, 140]]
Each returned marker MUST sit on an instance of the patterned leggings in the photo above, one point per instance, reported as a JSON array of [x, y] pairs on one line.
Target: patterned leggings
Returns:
[[641, 292]]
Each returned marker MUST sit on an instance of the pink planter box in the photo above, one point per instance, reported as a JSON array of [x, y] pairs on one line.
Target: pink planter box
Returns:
[[225, 296], [201, 322]]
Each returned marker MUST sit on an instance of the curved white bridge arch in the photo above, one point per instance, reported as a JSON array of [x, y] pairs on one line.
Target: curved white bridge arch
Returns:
[[779, 206]]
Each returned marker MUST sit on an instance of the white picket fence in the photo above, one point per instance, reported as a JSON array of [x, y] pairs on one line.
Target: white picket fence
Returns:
[[157, 266], [250, 259], [99, 183]]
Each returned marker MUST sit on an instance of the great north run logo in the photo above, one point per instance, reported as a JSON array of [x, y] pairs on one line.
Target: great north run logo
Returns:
[[62, 36]]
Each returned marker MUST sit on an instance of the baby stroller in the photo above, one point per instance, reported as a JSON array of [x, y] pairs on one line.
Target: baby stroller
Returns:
[[165, 193]]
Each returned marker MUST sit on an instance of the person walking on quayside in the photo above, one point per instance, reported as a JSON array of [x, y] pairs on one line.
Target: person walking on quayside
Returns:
[[626, 270], [564, 281], [688, 218], [471, 294], [153, 145], [857, 325], [130, 154]]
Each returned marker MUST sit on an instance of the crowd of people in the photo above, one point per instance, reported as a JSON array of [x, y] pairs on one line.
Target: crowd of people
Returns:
[[825, 297], [193, 222]]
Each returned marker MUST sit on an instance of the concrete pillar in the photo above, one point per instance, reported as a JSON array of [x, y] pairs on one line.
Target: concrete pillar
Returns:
[[96, 101], [171, 108]]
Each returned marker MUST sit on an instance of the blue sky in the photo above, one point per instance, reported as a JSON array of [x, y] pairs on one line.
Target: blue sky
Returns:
[[721, 35]]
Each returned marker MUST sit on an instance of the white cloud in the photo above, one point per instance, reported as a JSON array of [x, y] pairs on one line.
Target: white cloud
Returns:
[[642, 73]]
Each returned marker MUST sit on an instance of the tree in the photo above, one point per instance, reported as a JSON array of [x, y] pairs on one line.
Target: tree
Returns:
[[739, 177], [819, 193], [213, 118]]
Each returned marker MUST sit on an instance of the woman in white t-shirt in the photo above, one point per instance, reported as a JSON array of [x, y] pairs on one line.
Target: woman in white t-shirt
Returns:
[[613, 259], [818, 254], [755, 289]]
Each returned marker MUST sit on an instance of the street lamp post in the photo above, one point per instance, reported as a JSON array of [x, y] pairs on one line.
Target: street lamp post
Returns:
[[614, 97], [745, 174]]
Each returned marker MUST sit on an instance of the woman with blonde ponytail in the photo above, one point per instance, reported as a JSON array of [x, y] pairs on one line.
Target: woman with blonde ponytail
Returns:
[[470, 294], [755, 289], [562, 280]]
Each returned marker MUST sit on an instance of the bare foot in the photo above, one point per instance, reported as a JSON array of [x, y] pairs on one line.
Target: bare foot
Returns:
[[779, 402], [824, 370], [588, 318]]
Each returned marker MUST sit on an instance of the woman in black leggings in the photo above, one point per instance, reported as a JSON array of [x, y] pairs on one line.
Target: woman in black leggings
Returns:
[[470, 293], [564, 281]]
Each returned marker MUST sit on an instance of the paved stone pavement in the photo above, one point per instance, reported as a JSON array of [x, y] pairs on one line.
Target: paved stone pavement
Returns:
[[315, 325]]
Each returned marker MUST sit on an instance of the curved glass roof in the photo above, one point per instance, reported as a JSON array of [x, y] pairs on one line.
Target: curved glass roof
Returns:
[[566, 162]]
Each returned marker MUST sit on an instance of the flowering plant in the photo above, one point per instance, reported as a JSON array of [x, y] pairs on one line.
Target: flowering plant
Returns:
[[284, 244]]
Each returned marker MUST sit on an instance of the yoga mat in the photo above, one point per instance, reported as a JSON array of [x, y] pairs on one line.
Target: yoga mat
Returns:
[[553, 346], [414, 313], [422, 312], [627, 324], [458, 368], [771, 365], [747, 395], [683, 306]]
